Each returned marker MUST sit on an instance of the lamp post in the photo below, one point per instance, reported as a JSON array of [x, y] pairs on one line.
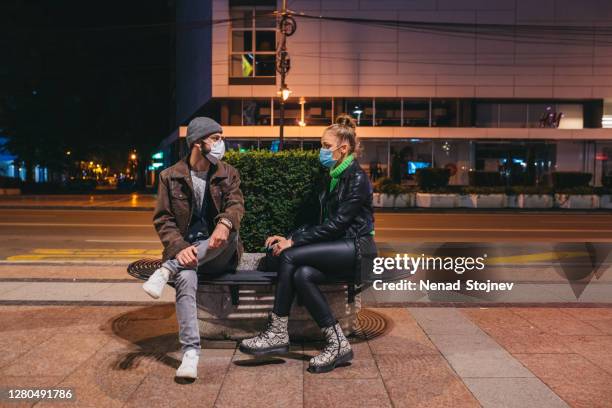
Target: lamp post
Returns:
[[286, 27]]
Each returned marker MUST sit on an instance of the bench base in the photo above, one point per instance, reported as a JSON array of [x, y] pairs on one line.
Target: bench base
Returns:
[[220, 319]]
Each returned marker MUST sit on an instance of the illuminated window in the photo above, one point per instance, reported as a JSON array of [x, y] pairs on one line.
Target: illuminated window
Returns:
[[253, 43]]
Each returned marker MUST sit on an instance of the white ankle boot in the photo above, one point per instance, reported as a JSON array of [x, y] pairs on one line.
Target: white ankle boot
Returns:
[[189, 366], [156, 282]]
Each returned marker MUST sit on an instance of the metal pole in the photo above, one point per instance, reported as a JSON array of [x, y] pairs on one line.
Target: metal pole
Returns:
[[286, 26], [283, 73], [282, 119]]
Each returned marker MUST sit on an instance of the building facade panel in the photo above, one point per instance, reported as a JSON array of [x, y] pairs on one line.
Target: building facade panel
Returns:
[[453, 95]]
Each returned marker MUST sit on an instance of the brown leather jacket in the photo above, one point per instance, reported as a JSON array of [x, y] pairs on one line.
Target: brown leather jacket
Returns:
[[174, 207]]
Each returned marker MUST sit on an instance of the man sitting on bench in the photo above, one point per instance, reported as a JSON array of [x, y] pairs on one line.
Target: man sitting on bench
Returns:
[[197, 217]]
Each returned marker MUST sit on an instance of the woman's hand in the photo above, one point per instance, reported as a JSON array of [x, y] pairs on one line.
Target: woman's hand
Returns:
[[273, 239], [281, 245]]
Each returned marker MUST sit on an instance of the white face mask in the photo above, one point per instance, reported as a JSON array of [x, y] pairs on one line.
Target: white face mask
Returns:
[[218, 149]]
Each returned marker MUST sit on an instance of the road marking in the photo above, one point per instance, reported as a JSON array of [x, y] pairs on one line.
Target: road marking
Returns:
[[53, 224], [479, 229], [39, 254], [58, 254], [124, 241], [511, 259]]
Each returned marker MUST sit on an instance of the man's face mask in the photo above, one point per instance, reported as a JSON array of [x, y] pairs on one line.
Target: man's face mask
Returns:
[[213, 147], [218, 149]]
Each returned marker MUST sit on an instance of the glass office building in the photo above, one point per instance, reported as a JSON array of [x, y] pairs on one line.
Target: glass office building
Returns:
[[470, 102]]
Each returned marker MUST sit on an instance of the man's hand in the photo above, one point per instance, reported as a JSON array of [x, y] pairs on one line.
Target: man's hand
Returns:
[[219, 236], [281, 245], [188, 257], [273, 239]]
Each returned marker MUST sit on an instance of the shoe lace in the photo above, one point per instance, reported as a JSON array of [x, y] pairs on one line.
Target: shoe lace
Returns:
[[268, 329]]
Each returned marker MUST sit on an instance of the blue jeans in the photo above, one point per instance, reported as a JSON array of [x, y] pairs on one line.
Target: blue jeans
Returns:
[[186, 284]]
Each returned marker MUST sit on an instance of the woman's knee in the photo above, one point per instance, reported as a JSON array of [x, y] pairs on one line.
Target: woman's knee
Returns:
[[286, 257], [305, 275]]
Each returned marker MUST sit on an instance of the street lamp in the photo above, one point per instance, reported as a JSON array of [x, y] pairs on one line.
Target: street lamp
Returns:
[[286, 26], [284, 92]]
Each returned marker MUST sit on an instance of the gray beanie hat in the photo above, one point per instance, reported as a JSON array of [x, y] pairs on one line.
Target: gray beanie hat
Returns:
[[201, 127]]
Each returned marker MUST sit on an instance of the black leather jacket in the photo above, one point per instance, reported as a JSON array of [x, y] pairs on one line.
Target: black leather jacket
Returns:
[[349, 210]]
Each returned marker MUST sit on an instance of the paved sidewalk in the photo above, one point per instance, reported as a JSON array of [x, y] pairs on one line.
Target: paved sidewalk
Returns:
[[93, 329], [419, 357]]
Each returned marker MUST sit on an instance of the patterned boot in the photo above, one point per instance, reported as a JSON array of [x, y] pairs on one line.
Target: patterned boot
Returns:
[[337, 351], [273, 340]]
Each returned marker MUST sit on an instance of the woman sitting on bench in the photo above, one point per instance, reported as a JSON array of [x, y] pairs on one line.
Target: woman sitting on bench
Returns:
[[335, 247]]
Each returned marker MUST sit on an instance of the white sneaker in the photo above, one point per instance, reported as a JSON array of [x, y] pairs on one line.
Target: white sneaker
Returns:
[[189, 366], [156, 282]]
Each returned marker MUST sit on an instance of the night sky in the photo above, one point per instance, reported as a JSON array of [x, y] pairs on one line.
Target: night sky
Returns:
[[95, 78]]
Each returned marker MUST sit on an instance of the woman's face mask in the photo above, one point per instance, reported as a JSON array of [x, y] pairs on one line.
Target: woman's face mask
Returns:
[[326, 157]]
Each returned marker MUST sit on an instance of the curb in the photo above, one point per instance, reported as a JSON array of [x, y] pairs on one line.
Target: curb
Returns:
[[119, 262], [463, 211], [74, 207]]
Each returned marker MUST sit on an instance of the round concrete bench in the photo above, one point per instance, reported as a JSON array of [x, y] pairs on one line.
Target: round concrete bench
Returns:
[[222, 317]]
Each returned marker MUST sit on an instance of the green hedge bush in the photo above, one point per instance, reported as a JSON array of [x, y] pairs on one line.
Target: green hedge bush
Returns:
[[280, 192], [562, 180], [479, 178]]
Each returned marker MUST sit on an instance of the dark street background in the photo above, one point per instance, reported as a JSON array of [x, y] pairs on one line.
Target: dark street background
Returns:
[[92, 78]]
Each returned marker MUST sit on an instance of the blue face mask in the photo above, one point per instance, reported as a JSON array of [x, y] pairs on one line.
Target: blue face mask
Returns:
[[326, 157]]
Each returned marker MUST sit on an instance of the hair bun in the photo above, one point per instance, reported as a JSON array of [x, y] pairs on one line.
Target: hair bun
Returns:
[[346, 120]]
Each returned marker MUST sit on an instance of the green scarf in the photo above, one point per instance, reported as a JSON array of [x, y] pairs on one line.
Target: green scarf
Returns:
[[336, 172]]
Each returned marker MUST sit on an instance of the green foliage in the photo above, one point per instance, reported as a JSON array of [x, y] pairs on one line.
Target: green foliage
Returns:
[[9, 182], [432, 178], [386, 185], [485, 178], [483, 190], [563, 180], [580, 190], [280, 192], [534, 190]]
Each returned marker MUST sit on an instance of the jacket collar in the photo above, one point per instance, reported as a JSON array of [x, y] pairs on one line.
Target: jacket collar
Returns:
[[181, 169]]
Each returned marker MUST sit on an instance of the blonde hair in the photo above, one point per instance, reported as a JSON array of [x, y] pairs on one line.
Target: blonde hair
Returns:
[[344, 129]]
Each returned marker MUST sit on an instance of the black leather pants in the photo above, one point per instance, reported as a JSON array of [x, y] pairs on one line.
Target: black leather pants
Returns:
[[303, 268]]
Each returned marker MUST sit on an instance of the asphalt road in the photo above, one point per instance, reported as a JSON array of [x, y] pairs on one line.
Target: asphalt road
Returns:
[[29, 234]]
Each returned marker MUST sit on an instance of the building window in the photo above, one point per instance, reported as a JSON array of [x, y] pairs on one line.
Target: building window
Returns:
[[416, 112], [305, 112], [256, 112], [253, 43], [317, 112], [518, 162], [444, 112], [388, 112], [360, 109]]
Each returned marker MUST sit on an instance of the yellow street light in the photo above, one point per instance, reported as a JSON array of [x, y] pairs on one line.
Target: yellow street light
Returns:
[[284, 92]]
